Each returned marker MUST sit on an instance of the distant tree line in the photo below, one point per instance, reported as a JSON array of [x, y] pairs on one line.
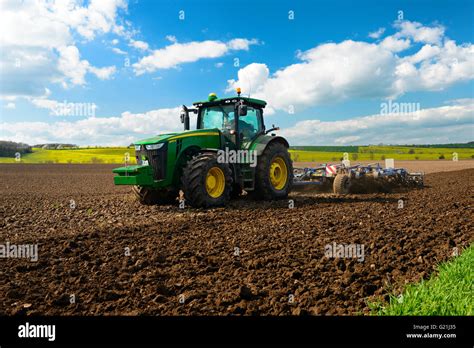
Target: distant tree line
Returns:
[[54, 146], [10, 148], [355, 148], [469, 145], [348, 148]]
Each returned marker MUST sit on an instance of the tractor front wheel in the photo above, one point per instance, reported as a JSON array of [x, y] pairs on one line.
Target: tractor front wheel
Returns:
[[274, 174], [147, 196], [206, 182]]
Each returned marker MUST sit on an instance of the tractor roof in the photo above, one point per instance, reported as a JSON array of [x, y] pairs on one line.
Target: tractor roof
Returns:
[[251, 101]]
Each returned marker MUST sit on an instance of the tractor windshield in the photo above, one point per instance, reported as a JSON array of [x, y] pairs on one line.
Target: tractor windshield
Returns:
[[221, 117]]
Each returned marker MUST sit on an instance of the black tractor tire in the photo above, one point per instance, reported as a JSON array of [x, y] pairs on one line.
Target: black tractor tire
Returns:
[[194, 181], [264, 189], [341, 184], [147, 196]]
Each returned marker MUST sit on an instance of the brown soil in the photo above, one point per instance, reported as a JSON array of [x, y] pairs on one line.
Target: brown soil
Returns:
[[185, 262]]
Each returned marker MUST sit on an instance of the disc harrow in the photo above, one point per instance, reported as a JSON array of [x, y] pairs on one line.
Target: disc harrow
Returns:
[[346, 178]]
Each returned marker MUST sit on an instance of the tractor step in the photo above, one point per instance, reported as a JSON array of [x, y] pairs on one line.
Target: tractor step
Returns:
[[248, 174]]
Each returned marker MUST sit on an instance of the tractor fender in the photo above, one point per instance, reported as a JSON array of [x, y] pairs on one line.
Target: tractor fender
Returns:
[[231, 165], [204, 150], [194, 150], [261, 143], [180, 162]]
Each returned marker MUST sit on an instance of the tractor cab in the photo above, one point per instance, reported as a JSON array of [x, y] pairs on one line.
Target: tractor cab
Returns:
[[220, 114]]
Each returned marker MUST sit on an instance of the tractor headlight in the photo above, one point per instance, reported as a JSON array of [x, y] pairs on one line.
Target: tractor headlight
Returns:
[[154, 146], [137, 147]]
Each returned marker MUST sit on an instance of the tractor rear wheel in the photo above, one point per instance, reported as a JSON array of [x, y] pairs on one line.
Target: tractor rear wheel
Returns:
[[341, 184], [274, 174], [147, 196], [206, 182]]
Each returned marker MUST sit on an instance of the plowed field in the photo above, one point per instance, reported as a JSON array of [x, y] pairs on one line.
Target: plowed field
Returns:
[[251, 258]]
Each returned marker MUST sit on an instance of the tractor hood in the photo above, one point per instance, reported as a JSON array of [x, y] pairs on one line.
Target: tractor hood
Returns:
[[156, 139], [170, 136]]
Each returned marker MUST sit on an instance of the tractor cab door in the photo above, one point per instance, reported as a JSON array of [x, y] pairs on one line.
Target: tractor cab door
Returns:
[[222, 118], [250, 126]]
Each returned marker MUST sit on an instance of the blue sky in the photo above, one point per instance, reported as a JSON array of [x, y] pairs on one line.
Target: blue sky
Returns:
[[327, 68]]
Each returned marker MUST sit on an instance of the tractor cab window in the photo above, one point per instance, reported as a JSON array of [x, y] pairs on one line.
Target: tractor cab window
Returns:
[[221, 117], [250, 124]]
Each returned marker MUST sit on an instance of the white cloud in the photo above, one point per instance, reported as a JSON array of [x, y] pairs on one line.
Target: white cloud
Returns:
[[99, 18], [219, 65], [250, 78], [425, 53], [36, 36], [53, 21], [439, 67], [376, 34], [25, 72], [351, 139], [420, 33], [141, 45], [71, 66], [334, 72], [171, 38], [118, 51], [115, 41], [241, 44], [120, 130], [104, 73], [327, 73], [393, 44], [178, 53], [45, 103], [65, 108], [75, 69], [10, 105], [9, 98], [442, 124]]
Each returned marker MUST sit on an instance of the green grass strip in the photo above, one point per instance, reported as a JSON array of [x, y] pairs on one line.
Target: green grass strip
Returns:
[[450, 292]]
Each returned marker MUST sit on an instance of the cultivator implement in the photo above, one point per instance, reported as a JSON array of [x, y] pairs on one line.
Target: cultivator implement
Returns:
[[345, 178]]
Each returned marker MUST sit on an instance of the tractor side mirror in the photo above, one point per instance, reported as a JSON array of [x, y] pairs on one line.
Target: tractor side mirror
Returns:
[[185, 117], [242, 110]]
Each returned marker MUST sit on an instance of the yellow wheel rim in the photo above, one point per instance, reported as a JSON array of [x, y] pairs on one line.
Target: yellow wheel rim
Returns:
[[278, 173], [215, 182]]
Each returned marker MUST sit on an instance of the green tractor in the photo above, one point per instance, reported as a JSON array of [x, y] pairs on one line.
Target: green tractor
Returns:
[[229, 152]]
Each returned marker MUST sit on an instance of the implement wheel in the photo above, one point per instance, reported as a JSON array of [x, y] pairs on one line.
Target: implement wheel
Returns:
[[341, 184]]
